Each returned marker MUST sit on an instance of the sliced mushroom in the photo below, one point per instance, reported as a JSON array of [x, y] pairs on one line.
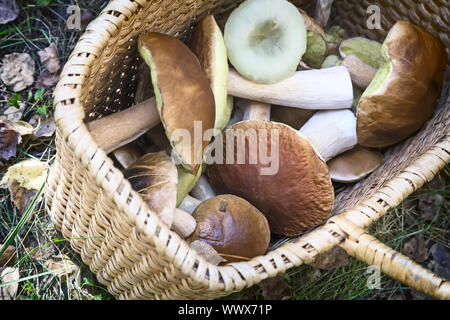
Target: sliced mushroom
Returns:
[[294, 196], [233, 227], [354, 165], [322, 89], [403, 95]]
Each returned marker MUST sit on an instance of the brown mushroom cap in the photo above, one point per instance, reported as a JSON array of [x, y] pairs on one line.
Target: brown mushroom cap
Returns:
[[298, 197], [182, 91], [232, 226], [155, 177], [353, 165], [403, 94]]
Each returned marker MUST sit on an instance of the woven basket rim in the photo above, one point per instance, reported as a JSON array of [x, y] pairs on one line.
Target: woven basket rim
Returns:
[[69, 117]]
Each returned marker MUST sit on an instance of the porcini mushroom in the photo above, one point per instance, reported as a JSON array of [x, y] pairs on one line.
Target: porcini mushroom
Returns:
[[322, 89], [232, 226], [265, 39], [155, 177], [354, 165], [179, 84], [369, 51], [209, 46], [403, 95], [293, 189], [361, 73]]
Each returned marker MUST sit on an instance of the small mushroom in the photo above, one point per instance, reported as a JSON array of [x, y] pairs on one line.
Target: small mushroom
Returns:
[[155, 177], [294, 196], [354, 165], [322, 89], [403, 95], [233, 227]]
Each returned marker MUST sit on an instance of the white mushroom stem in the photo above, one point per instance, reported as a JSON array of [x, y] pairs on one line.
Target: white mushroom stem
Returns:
[[322, 12], [202, 189], [188, 204], [183, 223], [331, 132], [118, 129], [322, 89], [254, 110], [361, 73], [127, 154]]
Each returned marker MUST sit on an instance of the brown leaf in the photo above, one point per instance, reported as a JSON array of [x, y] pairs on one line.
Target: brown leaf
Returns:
[[45, 125], [9, 291], [430, 205], [8, 11], [207, 252], [275, 288], [9, 139], [12, 113], [440, 261], [17, 71], [46, 79], [8, 258], [49, 58], [62, 266], [21, 197], [335, 258], [416, 249]]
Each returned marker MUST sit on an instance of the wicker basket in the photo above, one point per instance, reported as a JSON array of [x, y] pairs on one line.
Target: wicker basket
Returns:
[[125, 244]]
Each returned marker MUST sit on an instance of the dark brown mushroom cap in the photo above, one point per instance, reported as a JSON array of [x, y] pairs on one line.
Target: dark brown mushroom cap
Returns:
[[297, 197], [232, 226], [155, 177], [355, 164], [391, 110], [182, 91]]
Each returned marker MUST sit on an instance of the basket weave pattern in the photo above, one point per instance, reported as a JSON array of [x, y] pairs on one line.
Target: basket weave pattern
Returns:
[[125, 244]]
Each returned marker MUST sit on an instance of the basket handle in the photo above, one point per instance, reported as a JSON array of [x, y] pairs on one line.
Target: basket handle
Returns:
[[364, 247]]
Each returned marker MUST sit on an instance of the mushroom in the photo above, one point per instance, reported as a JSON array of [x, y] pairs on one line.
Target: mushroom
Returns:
[[233, 227], [155, 177], [322, 89], [294, 195], [209, 46], [179, 84], [354, 165], [128, 154], [361, 73], [403, 95], [293, 117], [202, 189], [189, 204], [369, 51], [254, 109]]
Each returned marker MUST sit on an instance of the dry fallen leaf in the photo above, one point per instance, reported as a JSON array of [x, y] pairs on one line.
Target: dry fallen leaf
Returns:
[[207, 252], [45, 125], [49, 58], [8, 258], [416, 249], [23, 180], [12, 113], [61, 265], [8, 11], [17, 71], [9, 139], [430, 205], [9, 291], [275, 288], [335, 258], [22, 127]]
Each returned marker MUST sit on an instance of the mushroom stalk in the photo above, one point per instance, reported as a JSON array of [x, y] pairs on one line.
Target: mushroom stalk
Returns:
[[202, 189], [127, 154], [118, 129], [331, 132], [361, 73], [188, 204], [183, 223], [322, 12], [322, 89], [255, 110]]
